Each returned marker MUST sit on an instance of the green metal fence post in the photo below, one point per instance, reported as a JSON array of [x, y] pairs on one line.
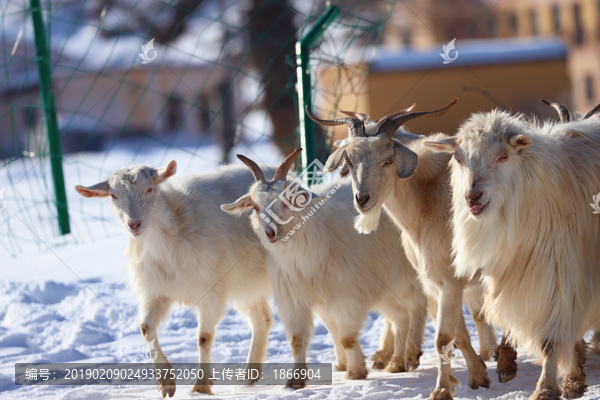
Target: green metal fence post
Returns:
[[307, 127], [42, 54]]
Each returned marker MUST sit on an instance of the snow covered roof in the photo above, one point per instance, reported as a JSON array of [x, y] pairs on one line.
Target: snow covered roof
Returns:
[[471, 52]]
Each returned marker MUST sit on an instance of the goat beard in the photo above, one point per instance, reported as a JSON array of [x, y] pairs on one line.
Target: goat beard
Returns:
[[367, 223]]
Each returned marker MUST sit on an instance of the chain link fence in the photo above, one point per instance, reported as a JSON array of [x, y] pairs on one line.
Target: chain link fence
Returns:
[[149, 81]]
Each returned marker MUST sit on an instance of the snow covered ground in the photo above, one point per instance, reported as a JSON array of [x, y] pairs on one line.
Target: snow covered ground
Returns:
[[66, 299]]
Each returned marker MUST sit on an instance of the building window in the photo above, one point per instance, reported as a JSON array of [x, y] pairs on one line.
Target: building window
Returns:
[[513, 23], [203, 114], [533, 20], [174, 113], [556, 17], [578, 27], [406, 38], [491, 26], [590, 94], [31, 117]]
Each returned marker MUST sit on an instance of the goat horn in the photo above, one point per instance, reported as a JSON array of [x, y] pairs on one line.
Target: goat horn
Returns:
[[592, 112], [357, 115], [398, 113], [284, 168], [563, 113], [390, 125], [355, 126], [256, 171]]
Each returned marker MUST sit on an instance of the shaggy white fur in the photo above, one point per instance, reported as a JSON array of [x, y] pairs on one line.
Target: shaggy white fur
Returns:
[[185, 249], [318, 262], [529, 230], [411, 183]]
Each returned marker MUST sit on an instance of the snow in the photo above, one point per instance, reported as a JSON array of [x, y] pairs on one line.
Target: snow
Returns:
[[67, 299]]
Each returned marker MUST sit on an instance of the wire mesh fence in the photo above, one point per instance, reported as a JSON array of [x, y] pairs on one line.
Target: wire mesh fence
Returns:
[[150, 81]]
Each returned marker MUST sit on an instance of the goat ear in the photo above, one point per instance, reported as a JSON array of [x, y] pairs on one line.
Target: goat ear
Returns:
[[242, 204], [520, 141], [406, 160], [166, 172], [443, 146], [345, 170], [97, 190], [335, 159]]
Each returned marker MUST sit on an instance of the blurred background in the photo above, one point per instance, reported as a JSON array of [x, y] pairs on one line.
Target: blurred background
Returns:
[[222, 80]]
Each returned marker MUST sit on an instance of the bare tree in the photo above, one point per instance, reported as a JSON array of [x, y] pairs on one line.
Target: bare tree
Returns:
[[272, 37]]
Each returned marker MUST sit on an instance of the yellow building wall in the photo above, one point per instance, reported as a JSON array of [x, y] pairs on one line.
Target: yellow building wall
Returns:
[[478, 88]]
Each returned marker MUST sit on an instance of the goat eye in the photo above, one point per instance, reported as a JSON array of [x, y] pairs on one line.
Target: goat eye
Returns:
[[458, 160], [256, 208], [348, 161], [502, 158], [389, 161], [149, 190], [114, 197]]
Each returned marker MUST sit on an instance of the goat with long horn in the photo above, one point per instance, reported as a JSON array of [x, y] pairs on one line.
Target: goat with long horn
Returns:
[[390, 124], [316, 263], [563, 113], [565, 116]]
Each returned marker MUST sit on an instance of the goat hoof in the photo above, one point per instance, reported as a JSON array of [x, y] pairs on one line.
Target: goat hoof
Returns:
[[477, 382], [395, 367], [545, 394], [202, 389], [413, 362], [506, 376], [381, 359], [357, 374], [296, 384], [167, 390], [507, 365], [340, 367], [573, 389], [441, 394], [412, 366]]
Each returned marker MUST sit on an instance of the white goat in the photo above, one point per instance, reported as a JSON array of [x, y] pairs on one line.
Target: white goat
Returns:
[[522, 220], [411, 184], [183, 248], [317, 262], [402, 134]]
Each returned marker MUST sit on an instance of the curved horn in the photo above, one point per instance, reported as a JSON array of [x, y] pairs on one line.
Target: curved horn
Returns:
[[389, 126], [563, 113], [592, 112], [361, 116], [284, 168], [355, 126], [256, 171], [398, 113]]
